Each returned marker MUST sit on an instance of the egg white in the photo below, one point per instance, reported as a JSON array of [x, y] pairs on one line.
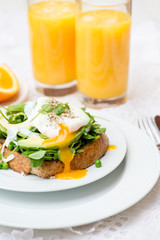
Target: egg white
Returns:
[[51, 128]]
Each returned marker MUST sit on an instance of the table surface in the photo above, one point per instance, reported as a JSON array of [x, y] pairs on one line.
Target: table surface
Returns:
[[143, 99]]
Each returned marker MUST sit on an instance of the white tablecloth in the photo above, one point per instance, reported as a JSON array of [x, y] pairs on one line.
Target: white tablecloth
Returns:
[[141, 221]]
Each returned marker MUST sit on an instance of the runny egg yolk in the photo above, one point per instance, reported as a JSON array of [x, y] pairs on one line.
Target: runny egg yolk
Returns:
[[63, 141]]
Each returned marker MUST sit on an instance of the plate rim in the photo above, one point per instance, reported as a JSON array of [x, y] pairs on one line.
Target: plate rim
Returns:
[[52, 225], [82, 182]]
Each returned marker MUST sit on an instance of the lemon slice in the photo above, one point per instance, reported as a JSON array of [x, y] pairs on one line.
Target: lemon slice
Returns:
[[9, 85]]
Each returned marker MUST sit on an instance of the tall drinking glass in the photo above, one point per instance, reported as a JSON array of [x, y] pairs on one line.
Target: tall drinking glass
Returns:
[[52, 40], [102, 50]]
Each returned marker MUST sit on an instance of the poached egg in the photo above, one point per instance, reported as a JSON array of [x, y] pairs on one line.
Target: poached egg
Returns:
[[60, 130], [49, 124]]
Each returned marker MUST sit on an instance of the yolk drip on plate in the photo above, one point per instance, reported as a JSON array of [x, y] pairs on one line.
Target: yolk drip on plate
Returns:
[[111, 147], [63, 141]]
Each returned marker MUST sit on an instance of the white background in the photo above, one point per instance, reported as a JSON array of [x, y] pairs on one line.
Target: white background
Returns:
[[141, 220]]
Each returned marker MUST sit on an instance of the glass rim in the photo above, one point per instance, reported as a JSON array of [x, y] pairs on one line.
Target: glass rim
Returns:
[[105, 6]]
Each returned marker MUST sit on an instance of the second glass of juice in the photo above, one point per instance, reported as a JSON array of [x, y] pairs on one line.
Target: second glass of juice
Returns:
[[102, 50], [52, 40]]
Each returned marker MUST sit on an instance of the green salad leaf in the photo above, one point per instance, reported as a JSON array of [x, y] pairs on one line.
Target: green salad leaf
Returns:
[[3, 134], [37, 155], [86, 134], [100, 130], [27, 153], [36, 163], [34, 129], [45, 108], [15, 113], [11, 145], [61, 108], [17, 108], [18, 118], [80, 150], [36, 158]]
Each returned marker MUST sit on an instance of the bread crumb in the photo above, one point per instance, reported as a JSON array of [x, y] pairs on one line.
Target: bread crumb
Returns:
[[23, 174], [52, 177]]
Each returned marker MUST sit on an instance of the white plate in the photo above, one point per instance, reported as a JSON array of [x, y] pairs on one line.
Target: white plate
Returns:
[[10, 180], [119, 190]]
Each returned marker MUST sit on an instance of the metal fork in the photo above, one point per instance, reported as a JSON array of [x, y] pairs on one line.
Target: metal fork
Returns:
[[148, 125]]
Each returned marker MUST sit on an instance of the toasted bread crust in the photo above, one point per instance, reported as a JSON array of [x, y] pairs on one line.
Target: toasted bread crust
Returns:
[[48, 169], [91, 153], [20, 163]]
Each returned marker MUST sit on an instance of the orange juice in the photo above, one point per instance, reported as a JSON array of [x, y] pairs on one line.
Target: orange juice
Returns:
[[102, 53], [52, 36]]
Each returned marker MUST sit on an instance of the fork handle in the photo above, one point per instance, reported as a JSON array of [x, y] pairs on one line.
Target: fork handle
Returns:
[[157, 120]]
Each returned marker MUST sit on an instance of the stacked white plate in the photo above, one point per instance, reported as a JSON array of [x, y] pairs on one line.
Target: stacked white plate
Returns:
[[127, 174]]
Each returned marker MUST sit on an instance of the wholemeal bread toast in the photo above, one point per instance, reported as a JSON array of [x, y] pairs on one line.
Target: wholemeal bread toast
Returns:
[[92, 152]]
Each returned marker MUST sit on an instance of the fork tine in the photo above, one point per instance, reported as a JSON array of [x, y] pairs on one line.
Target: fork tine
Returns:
[[154, 129], [144, 126], [150, 128], [148, 125]]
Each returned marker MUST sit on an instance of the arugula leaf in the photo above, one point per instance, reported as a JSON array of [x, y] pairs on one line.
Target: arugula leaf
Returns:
[[80, 150], [36, 163], [21, 149], [14, 118], [37, 155], [16, 149], [27, 153], [4, 116], [86, 134], [36, 158], [67, 106], [73, 150], [15, 108], [34, 129], [92, 120], [6, 110], [43, 136], [91, 137], [77, 137], [46, 108], [83, 108], [11, 145], [61, 108], [100, 130], [76, 145], [95, 126], [18, 118], [48, 158], [3, 134]]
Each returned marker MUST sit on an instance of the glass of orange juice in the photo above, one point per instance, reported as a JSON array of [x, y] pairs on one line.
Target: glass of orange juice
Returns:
[[102, 50], [52, 40]]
